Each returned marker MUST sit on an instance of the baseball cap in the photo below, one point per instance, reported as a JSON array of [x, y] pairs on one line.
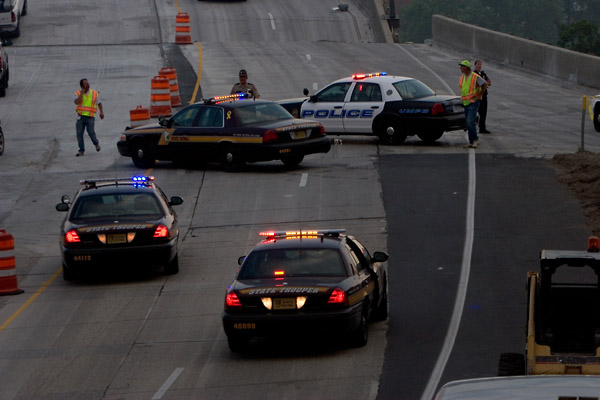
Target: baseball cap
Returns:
[[243, 72], [465, 63]]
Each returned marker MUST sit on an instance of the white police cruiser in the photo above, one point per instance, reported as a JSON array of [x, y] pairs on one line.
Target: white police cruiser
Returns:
[[391, 107]]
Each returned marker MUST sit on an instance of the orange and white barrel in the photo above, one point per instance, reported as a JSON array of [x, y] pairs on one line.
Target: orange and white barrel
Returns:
[[160, 97], [8, 272], [183, 33], [139, 116], [170, 73]]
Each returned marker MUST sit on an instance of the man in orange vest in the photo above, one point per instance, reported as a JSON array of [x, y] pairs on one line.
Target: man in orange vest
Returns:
[[87, 105], [472, 87]]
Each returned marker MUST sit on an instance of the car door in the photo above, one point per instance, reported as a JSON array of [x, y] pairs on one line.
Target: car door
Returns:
[[327, 106], [365, 102]]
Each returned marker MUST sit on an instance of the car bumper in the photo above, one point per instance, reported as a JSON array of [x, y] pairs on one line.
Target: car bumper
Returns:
[[151, 255], [330, 324], [269, 152], [123, 148]]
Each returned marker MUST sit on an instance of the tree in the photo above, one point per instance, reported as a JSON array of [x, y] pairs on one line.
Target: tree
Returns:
[[582, 36]]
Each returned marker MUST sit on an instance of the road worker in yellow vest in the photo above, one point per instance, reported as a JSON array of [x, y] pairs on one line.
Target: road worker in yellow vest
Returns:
[[472, 87], [87, 106]]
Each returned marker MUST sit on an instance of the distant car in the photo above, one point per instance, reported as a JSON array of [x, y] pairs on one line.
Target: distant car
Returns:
[[3, 69], [390, 107], [542, 387], [595, 104], [11, 12], [230, 130], [320, 282], [126, 221]]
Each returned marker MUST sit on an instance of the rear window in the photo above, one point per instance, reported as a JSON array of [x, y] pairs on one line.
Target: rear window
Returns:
[[262, 112], [113, 205], [292, 262], [413, 89]]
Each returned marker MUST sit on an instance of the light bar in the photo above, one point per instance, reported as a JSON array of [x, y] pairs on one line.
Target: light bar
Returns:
[[301, 233], [370, 75], [136, 179], [235, 96]]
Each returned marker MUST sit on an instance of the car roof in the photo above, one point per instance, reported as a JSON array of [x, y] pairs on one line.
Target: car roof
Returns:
[[232, 103], [116, 185], [375, 78]]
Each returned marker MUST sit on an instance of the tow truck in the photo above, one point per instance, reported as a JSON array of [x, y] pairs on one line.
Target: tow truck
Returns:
[[563, 316]]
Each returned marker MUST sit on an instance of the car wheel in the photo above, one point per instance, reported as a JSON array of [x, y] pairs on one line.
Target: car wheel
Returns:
[[381, 313], [1, 142], [238, 344], [390, 132], [232, 159], [141, 155], [293, 160], [172, 267], [360, 336], [430, 137], [68, 273], [511, 364], [597, 117], [24, 12]]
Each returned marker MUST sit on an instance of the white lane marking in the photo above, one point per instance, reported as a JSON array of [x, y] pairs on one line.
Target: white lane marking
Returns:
[[463, 282], [165, 386], [308, 57], [303, 179], [272, 21]]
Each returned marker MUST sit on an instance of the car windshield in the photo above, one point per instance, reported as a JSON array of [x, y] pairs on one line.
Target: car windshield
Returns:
[[411, 89], [261, 112], [292, 262], [121, 204]]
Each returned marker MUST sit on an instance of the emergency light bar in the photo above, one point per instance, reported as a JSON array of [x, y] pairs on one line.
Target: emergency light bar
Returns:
[[370, 75], [137, 179], [220, 99], [300, 234]]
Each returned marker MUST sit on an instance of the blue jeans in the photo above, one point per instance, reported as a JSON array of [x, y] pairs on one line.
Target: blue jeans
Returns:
[[470, 117], [84, 122]]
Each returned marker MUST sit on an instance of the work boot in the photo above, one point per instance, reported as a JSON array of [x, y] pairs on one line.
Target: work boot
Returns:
[[79, 153], [97, 147]]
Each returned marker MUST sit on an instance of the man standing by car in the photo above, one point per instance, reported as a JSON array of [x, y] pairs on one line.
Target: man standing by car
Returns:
[[243, 86], [484, 99], [471, 88], [88, 104]]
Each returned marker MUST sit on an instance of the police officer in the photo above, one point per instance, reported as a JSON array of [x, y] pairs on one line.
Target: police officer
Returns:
[[87, 105], [243, 86], [483, 106]]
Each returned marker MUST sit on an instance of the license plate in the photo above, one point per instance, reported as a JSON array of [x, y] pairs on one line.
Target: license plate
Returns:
[[116, 238], [284, 303], [458, 108], [299, 135]]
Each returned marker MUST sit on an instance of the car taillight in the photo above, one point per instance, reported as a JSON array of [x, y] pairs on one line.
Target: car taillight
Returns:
[[231, 300], [72, 237], [338, 296], [270, 136], [322, 131], [438, 108], [13, 16], [161, 232]]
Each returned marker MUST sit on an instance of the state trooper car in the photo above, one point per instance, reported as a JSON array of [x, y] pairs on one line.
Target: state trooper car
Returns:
[[390, 107], [323, 283], [122, 221]]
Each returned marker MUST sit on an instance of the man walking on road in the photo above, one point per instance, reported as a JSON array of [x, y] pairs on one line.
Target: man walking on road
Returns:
[[471, 88], [88, 104], [483, 106]]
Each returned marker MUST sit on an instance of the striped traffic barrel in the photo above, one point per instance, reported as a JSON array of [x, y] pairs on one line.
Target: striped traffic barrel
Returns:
[[183, 33], [160, 97], [8, 272], [170, 73]]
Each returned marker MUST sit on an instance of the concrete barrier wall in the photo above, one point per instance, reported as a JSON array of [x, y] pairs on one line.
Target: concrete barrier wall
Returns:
[[476, 42]]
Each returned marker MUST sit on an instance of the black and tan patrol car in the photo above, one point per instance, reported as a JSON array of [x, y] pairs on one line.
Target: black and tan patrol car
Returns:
[[321, 282], [230, 130], [126, 221]]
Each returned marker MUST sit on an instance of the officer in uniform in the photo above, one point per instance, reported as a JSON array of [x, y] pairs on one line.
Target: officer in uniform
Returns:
[[243, 86]]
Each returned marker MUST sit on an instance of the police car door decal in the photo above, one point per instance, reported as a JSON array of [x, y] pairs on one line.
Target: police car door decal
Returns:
[[328, 109]]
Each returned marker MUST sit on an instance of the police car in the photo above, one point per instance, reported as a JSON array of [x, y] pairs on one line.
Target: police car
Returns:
[[320, 282], [126, 221], [231, 130], [390, 107], [595, 104]]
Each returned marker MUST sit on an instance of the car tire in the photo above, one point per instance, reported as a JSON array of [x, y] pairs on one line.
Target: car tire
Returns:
[[390, 131], [511, 364], [238, 344], [172, 267], [597, 117], [68, 273], [231, 159], [292, 160], [141, 155], [1, 142], [381, 313], [360, 336], [430, 137]]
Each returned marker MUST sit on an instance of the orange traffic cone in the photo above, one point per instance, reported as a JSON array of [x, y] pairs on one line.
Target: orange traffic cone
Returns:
[[170, 73], [160, 97], [183, 33], [139, 116], [8, 273]]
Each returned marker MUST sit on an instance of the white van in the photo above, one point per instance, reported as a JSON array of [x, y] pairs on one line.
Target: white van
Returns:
[[11, 12]]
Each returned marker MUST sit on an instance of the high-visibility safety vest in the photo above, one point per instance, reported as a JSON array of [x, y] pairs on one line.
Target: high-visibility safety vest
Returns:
[[469, 91], [88, 106]]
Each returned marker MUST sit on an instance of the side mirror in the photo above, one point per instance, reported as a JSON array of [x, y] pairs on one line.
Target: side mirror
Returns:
[[7, 42], [65, 199], [62, 207], [313, 98], [305, 91], [164, 121], [241, 260], [175, 201], [380, 256]]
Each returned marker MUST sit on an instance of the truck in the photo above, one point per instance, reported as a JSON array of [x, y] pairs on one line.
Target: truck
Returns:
[[563, 316]]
